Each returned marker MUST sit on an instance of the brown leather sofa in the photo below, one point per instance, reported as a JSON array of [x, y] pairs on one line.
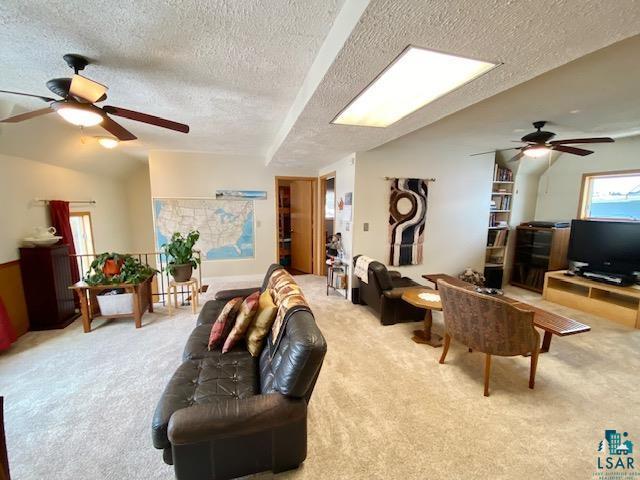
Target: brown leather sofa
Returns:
[[383, 293], [226, 416]]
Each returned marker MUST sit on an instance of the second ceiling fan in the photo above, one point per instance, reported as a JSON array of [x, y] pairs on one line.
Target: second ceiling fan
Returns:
[[78, 96], [539, 143]]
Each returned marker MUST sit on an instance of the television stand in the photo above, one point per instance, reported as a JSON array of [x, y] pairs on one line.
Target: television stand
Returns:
[[620, 304]]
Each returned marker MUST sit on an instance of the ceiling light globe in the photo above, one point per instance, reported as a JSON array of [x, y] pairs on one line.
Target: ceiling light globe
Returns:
[[537, 152], [108, 142], [79, 116]]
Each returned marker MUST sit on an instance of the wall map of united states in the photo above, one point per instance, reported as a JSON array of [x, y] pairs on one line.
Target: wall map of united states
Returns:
[[226, 226]]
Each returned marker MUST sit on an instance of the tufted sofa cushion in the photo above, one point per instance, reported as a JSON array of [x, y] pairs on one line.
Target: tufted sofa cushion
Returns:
[[204, 381], [197, 346]]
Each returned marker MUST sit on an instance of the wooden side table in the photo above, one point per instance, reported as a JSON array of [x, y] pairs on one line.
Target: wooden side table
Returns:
[[412, 296], [142, 300], [194, 288]]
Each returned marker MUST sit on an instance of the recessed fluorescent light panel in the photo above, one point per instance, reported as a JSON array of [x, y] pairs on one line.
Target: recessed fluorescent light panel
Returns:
[[415, 78]]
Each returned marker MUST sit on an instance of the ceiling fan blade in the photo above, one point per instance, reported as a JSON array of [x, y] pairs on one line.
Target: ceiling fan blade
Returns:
[[26, 116], [145, 118], [516, 157], [583, 140], [44, 99], [493, 151], [574, 150], [86, 89], [117, 130]]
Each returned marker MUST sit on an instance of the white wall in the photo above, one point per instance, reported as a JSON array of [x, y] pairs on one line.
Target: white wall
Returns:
[[188, 174], [345, 169], [22, 180], [138, 190], [458, 204], [559, 187]]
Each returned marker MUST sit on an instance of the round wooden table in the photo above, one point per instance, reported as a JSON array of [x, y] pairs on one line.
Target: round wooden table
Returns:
[[426, 336]]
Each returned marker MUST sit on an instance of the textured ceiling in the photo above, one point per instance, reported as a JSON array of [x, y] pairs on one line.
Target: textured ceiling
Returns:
[[230, 69], [529, 37], [595, 95], [235, 70]]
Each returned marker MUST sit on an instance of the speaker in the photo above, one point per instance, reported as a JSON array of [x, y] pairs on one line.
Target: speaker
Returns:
[[493, 276]]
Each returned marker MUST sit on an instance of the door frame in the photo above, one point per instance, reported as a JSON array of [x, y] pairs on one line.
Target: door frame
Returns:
[[314, 214], [321, 265]]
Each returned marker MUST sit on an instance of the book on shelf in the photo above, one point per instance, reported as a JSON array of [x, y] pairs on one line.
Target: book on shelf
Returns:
[[497, 238], [503, 203], [501, 174]]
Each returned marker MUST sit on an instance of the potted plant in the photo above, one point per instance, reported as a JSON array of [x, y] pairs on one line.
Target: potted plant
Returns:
[[129, 270], [180, 255]]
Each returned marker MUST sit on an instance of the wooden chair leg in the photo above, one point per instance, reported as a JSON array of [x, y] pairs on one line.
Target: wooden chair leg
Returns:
[[534, 366], [487, 373], [445, 348], [194, 299]]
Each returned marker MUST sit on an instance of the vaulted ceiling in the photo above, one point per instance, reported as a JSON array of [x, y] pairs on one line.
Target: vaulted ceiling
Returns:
[[265, 77]]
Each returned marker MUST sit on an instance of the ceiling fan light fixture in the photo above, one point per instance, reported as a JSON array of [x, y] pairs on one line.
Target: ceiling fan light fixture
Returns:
[[537, 152], [108, 142], [79, 116]]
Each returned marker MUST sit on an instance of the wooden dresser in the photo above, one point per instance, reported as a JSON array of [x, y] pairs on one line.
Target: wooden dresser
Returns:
[[46, 277]]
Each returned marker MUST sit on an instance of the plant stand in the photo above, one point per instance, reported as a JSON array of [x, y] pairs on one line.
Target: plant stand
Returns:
[[192, 285], [142, 301]]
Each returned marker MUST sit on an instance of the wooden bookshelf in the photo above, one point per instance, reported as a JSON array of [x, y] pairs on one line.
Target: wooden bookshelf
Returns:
[[498, 228], [284, 225], [537, 251]]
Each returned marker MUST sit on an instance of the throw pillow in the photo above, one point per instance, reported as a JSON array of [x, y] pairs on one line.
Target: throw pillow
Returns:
[[260, 327], [245, 316], [224, 323]]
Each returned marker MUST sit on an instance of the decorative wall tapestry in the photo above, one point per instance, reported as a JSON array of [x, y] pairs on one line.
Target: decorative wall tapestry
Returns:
[[407, 214]]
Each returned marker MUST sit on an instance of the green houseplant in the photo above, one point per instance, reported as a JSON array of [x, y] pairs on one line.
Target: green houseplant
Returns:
[[180, 255], [130, 270]]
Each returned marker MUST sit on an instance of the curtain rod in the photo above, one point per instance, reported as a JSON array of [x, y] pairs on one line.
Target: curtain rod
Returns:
[[425, 179], [46, 201]]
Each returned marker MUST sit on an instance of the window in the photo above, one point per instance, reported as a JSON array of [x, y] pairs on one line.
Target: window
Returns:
[[611, 195], [82, 238]]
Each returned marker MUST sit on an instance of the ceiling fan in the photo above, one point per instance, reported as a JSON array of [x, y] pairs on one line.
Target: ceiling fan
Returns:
[[539, 143], [78, 96]]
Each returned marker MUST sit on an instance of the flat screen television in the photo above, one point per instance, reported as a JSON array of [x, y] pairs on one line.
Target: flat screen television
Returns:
[[606, 246]]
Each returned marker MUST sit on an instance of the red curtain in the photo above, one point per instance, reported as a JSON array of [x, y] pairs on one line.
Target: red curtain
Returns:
[[7, 334], [60, 220]]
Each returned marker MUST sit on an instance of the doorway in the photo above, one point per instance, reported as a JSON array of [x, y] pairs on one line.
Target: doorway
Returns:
[[295, 216], [327, 208]]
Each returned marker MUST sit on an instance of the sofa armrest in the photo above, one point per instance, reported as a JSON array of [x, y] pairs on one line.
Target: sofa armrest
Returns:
[[236, 417], [227, 295], [397, 292], [394, 274]]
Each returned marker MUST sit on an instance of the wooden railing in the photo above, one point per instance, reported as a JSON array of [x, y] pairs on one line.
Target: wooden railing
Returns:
[[157, 260]]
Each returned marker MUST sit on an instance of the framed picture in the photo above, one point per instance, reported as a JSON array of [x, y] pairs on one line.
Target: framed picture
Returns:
[[241, 195]]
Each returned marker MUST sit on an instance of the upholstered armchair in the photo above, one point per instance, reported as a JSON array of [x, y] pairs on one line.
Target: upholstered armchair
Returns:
[[489, 325]]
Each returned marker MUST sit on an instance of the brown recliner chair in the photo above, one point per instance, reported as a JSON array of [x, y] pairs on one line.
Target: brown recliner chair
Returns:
[[383, 293]]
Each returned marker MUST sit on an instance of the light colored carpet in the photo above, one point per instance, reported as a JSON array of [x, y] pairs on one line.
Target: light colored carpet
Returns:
[[79, 406]]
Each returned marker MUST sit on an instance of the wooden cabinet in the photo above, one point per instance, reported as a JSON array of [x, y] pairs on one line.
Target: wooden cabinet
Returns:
[[538, 250], [46, 277]]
